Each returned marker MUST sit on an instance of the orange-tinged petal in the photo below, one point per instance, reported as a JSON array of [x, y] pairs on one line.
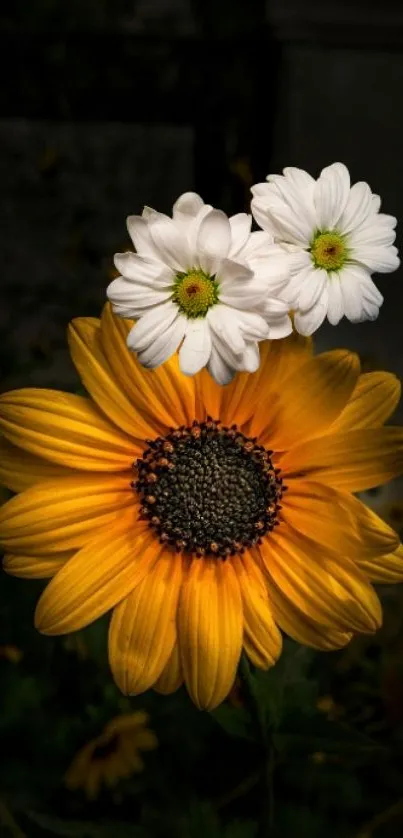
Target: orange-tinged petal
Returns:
[[171, 676], [230, 403], [373, 401], [278, 360], [210, 630], [327, 589], [262, 640], [384, 569], [64, 514], [336, 520], [164, 395], [35, 567], [209, 396], [65, 429], [309, 400], [98, 577], [142, 630], [99, 379], [351, 461], [302, 628], [19, 470]]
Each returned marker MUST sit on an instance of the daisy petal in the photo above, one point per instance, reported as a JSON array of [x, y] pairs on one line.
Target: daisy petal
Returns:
[[140, 236], [214, 236], [142, 271], [240, 225], [335, 307], [383, 260], [196, 348], [187, 206], [171, 245], [151, 326], [210, 631], [307, 322], [331, 195], [165, 345]]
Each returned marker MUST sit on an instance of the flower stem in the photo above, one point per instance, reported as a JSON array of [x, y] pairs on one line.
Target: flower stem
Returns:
[[263, 739]]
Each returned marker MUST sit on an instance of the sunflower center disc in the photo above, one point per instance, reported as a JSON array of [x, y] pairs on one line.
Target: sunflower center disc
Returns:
[[328, 251], [208, 490]]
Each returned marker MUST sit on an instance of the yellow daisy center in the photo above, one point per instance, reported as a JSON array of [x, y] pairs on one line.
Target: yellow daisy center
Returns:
[[208, 489], [195, 292], [328, 251]]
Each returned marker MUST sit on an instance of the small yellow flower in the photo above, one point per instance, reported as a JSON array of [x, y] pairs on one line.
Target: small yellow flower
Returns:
[[113, 755]]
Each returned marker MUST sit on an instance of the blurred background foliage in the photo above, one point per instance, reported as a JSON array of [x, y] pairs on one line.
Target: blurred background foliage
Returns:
[[107, 106]]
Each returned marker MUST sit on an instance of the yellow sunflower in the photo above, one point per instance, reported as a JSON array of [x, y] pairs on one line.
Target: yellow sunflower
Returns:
[[113, 755], [207, 518]]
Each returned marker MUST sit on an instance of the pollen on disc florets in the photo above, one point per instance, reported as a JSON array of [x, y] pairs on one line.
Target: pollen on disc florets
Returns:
[[329, 250], [208, 489], [195, 292]]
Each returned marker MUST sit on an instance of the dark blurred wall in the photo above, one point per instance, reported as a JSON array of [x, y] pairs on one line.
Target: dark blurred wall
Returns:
[[111, 105]]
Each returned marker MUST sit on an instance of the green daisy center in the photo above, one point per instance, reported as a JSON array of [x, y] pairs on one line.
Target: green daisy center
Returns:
[[195, 292], [329, 251]]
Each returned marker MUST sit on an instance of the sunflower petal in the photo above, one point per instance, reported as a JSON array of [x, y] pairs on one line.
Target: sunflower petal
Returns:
[[19, 470], [327, 590], [171, 676], [336, 518], [384, 569], [302, 628], [373, 401], [278, 360], [309, 400], [99, 379], [35, 567], [262, 640], [142, 630], [351, 461], [164, 394], [63, 514], [210, 631], [65, 429], [100, 575]]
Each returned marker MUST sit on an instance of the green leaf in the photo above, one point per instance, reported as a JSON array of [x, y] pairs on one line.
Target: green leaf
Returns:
[[235, 721], [324, 735]]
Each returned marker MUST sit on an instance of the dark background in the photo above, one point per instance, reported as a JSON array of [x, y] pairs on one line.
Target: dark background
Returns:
[[107, 105]]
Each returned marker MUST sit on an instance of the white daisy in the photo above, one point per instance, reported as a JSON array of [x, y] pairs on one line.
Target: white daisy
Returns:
[[336, 238], [202, 282]]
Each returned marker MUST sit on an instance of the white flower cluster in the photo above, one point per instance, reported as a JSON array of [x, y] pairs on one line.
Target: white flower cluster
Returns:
[[207, 285]]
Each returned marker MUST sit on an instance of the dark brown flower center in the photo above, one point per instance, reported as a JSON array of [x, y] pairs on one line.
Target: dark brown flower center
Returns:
[[103, 750], [208, 489]]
